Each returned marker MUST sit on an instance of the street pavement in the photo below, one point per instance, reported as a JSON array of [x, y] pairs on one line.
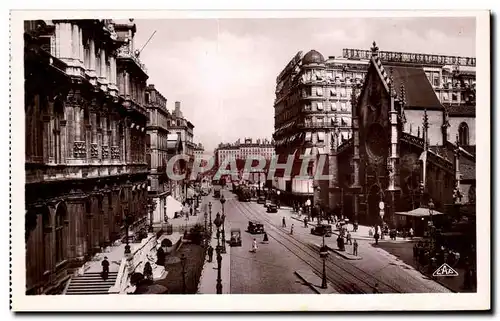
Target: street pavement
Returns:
[[376, 265], [271, 270], [278, 265]]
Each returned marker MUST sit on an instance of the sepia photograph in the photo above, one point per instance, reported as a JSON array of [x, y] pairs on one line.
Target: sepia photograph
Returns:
[[192, 153]]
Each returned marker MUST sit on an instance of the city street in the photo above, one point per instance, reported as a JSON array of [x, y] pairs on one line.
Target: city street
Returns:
[[271, 269]]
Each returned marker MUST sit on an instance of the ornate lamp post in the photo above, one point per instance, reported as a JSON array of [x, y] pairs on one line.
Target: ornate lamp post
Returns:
[[183, 263], [222, 201], [219, 263], [151, 208], [323, 253], [210, 212], [218, 222], [127, 221], [223, 250], [206, 232]]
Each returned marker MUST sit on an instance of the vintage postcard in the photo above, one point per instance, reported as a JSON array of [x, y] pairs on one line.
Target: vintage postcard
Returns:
[[319, 160]]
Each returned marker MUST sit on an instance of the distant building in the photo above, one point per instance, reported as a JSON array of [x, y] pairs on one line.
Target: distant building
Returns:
[[240, 151], [157, 151], [180, 126]]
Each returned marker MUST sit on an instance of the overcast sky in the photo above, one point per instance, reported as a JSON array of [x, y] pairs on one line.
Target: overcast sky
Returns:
[[224, 71]]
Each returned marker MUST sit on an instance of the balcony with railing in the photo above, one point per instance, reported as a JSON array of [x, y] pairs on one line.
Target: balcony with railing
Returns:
[[124, 52]]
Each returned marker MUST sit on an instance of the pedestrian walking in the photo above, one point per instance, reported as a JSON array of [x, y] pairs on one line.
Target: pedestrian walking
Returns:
[[105, 268], [283, 224], [376, 237], [191, 211], [254, 246], [210, 252], [291, 230], [355, 248], [348, 238], [411, 232], [266, 239], [305, 221]]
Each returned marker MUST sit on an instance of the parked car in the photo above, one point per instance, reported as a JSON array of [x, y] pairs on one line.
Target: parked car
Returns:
[[272, 208], [255, 227], [261, 200], [235, 237], [323, 229]]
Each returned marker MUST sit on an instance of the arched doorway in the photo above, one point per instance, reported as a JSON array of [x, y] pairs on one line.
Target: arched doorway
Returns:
[[373, 202], [37, 235], [60, 232]]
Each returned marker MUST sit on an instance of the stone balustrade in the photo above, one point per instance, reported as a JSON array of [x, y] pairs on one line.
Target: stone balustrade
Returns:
[[47, 173]]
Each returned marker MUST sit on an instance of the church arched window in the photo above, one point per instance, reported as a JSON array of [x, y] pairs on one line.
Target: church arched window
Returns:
[[463, 134]]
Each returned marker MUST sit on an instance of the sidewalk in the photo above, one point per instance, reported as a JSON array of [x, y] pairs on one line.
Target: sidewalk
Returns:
[[208, 279], [314, 282]]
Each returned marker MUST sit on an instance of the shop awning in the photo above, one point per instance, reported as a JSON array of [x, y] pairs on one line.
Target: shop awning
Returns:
[[419, 212], [173, 206]]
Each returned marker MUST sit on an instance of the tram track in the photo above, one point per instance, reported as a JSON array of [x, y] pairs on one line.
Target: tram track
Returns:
[[339, 274]]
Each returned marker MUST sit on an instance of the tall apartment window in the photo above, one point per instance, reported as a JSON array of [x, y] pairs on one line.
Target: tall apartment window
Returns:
[[319, 91], [321, 137], [342, 106], [319, 105], [147, 98], [333, 92], [436, 80], [343, 92], [454, 97]]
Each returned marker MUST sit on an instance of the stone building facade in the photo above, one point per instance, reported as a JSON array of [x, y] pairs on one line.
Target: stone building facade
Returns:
[[313, 106], [157, 150], [85, 143], [180, 126]]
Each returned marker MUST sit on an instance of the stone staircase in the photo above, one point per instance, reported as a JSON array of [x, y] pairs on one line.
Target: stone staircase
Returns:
[[90, 283]]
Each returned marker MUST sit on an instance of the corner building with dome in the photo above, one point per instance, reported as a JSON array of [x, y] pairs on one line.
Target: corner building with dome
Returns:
[[378, 117]]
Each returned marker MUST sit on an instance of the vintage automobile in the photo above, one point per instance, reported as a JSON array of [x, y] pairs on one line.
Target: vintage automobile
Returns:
[[255, 227], [272, 208], [261, 200], [323, 229], [235, 237]]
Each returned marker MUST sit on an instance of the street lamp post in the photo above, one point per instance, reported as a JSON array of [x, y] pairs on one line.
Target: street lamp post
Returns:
[[151, 207], [219, 263], [218, 222], [223, 250], [431, 208], [323, 253], [127, 218], [183, 263], [206, 232], [320, 216], [222, 201], [210, 211], [431, 227]]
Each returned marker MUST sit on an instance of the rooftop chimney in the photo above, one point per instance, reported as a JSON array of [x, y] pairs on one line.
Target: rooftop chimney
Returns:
[[177, 110]]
